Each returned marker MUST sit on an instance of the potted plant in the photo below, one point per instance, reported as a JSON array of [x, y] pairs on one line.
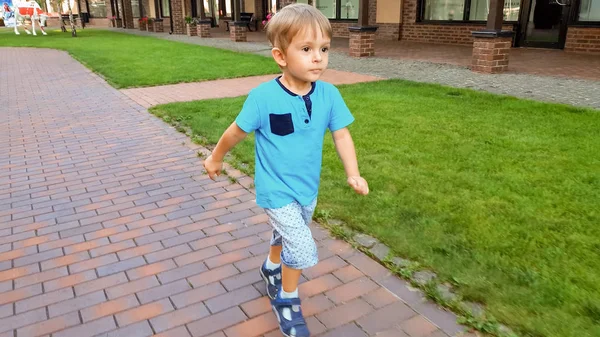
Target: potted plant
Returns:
[[143, 22], [150, 25], [190, 24]]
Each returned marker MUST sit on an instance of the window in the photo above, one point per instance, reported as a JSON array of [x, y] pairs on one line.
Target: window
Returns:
[[166, 11], [335, 9], [97, 8], [444, 10], [454, 10], [589, 10], [349, 9], [327, 7], [481, 8], [135, 8]]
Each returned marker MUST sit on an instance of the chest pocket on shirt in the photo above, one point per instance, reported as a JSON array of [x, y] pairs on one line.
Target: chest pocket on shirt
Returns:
[[281, 125]]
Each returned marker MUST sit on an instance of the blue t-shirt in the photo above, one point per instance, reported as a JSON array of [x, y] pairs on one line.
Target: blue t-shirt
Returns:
[[289, 139]]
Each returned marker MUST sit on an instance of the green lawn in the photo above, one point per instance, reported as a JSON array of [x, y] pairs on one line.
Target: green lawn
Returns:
[[497, 194], [134, 61]]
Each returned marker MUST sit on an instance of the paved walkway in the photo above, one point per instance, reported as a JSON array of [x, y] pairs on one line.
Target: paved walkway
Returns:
[[109, 228], [182, 92], [540, 86]]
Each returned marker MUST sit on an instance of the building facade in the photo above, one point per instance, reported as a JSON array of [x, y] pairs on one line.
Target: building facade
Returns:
[[573, 25]]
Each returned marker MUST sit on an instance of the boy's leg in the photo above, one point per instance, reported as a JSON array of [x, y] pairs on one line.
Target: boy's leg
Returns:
[[290, 278], [275, 253], [270, 271], [299, 252]]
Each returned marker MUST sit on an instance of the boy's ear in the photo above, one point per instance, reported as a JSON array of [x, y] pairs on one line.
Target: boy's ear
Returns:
[[279, 57]]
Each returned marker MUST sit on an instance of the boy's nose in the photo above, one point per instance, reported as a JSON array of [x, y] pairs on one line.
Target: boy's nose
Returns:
[[318, 57]]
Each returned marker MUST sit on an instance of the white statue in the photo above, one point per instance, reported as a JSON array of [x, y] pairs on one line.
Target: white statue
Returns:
[[29, 10]]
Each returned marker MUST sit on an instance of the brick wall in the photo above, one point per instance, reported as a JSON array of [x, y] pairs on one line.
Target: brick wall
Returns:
[[127, 14], [188, 8], [583, 40], [372, 11], [386, 31], [177, 17], [340, 29]]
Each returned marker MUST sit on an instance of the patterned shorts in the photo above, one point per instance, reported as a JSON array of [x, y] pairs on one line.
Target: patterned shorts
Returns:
[[290, 229]]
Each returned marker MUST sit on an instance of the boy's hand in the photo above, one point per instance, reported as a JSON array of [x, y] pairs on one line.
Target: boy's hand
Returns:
[[359, 184], [213, 167]]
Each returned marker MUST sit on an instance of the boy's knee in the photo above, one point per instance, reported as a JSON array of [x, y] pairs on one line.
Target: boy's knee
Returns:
[[300, 257]]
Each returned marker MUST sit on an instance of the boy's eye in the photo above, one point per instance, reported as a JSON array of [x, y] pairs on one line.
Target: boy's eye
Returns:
[[325, 49], [306, 49]]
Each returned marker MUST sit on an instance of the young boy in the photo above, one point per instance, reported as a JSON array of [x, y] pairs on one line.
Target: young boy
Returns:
[[290, 115]]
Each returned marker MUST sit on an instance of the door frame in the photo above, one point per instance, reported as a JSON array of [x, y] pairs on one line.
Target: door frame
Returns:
[[567, 12]]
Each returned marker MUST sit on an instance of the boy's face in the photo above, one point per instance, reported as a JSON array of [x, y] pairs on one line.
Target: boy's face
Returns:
[[307, 55]]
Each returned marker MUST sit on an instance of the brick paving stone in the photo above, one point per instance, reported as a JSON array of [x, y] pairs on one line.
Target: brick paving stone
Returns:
[[386, 317], [108, 308], [141, 329], [232, 298], [179, 317], [418, 326], [348, 330], [216, 322], [163, 291], [131, 287], [49, 326], [176, 332], [77, 303]]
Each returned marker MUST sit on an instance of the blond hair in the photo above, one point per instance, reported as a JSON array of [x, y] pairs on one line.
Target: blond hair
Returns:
[[293, 19]]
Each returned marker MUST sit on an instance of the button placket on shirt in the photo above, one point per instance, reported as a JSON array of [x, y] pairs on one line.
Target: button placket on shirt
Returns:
[[305, 116]]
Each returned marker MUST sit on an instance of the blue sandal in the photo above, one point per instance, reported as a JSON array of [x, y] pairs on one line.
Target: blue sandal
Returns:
[[297, 320], [272, 287]]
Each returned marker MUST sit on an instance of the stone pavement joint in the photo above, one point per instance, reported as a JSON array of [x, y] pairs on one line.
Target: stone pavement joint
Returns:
[[110, 227]]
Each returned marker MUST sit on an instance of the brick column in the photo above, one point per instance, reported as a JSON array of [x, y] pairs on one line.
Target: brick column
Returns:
[[362, 41], [490, 51], [203, 28], [177, 17], [237, 31], [127, 14]]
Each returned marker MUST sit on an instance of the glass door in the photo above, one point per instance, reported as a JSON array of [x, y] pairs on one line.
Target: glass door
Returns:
[[211, 11], [544, 23]]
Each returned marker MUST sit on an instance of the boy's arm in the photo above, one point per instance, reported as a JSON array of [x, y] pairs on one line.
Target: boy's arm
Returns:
[[230, 138], [345, 149]]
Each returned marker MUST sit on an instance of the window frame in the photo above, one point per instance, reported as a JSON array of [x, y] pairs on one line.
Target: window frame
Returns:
[[338, 13], [159, 9], [465, 19], [574, 18], [106, 4]]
